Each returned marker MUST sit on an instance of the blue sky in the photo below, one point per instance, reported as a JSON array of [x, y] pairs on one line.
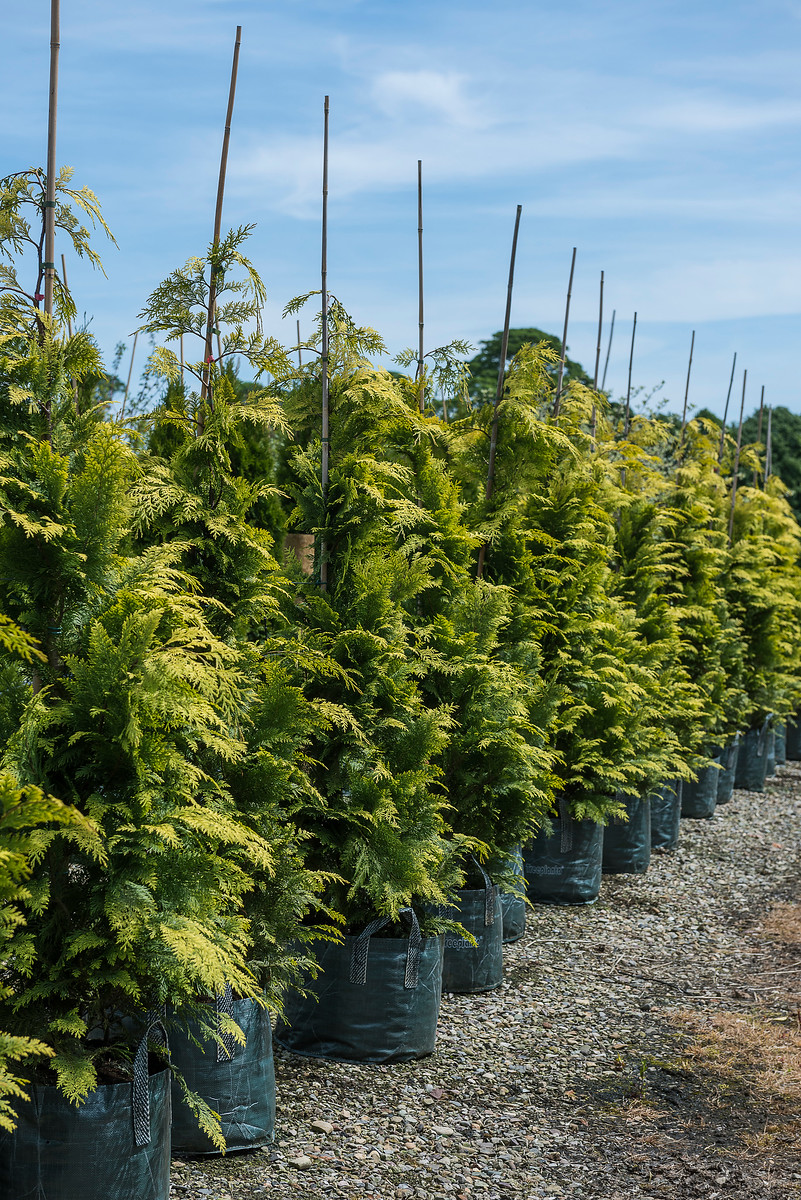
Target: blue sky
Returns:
[[660, 139]]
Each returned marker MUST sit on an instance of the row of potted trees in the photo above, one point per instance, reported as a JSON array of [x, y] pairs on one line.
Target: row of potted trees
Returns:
[[274, 739]]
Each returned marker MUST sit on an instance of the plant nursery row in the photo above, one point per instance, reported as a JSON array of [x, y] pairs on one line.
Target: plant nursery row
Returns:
[[308, 682]]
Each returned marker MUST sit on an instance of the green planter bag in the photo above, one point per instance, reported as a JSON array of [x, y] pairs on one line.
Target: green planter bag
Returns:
[[770, 768], [700, 797], [237, 1082], [479, 968], [627, 844], [726, 776], [375, 1000], [752, 761], [792, 739], [113, 1146], [666, 815], [781, 744], [564, 866], [513, 904]]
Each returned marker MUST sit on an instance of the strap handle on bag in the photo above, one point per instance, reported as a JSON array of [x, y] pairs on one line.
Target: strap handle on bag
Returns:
[[763, 734], [361, 946], [489, 895], [224, 1006], [567, 826], [140, 1088]]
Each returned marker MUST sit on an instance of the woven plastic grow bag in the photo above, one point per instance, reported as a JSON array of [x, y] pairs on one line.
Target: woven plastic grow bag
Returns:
[[513, 904], [700, 797], [792, 739], [752, 761], [564, 866], [781, 744], [770, 768], [236, 1081], [114, 1146], [375, 1000], [666, 815], [479, 968], [627, 844], [726, 776]]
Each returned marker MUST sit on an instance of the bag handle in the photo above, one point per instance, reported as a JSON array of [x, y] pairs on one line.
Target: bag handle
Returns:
[[489, 894], [361, 946], [566, 820], [763, 734], [140, 1088], [224, 1006]]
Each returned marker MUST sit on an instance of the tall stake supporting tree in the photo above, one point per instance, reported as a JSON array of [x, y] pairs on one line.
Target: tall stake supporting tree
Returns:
[[736, 471], [300, 356], [325, 445], [482, 554], [49, 263], [687, 389], [130, 373], [558, 399], [208, 356], [594, 422], [726, 412], [600, 330], [628, 389], [769, 446], [420, 284], [608, 349], [759, 427]]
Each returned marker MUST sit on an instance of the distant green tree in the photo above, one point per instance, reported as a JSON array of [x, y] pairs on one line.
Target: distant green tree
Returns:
[[484, 367]]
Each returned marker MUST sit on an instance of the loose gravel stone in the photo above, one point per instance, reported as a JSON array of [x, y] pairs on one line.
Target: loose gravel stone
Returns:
[[564, 1082]]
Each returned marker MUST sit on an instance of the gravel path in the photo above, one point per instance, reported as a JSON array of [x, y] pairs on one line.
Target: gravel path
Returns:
[[590, 1072]]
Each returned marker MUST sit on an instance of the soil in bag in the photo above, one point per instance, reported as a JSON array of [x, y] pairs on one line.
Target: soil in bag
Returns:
[[666, 815], [792, 739], [700, 796], [236, 1081], [513, 903], [564, 866], [479, 968], [376, 999], [113, 1146], [728, 763], [627, 844], [752, 761]]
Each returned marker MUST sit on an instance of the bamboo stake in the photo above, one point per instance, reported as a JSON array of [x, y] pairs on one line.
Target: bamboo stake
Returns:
[[759, 427], [687, 389], [600, 328], [558, 400], [300, 357], [769, 446], [49, 264], [130, 373], [324, 455], [594, 419], [628, 390], [181, 339], [422, 396], [608, 350], [737, 460], [726, 411], [205, 390], [482, 554]]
